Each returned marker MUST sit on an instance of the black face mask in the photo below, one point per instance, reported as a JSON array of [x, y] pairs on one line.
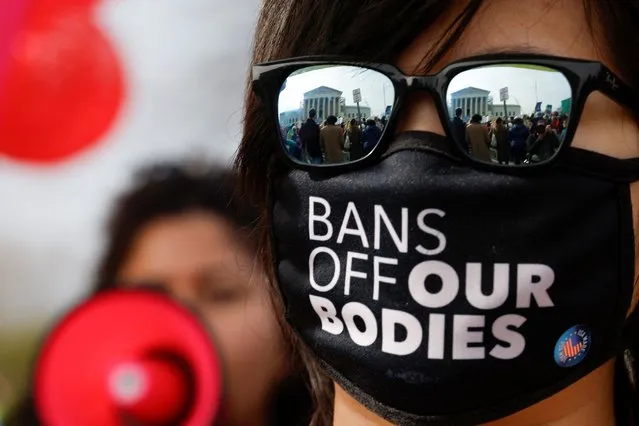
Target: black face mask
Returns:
[[435, 293]]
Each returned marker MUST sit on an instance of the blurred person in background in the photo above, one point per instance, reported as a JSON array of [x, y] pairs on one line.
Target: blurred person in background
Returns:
[[518, 136], [477, 139], [309, 135], [370, 136], [459, 127], [543, 143], [354, 139], [500, 133], [331, 141], [184, 231]]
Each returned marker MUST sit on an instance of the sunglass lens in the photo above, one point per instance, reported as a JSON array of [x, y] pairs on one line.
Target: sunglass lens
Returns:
[[333, 114], [511, 114]]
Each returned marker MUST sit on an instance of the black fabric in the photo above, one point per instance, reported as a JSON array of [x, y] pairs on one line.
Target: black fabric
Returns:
[[567, 221], [292, 404]]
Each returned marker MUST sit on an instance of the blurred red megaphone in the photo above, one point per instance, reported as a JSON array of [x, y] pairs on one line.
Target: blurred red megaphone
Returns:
[[128, 358]]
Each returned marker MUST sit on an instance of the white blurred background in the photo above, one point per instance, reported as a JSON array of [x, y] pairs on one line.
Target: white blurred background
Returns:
[[185, 65]]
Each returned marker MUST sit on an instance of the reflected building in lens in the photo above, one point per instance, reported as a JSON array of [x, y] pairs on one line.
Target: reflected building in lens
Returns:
[[473, 100], [325, 101]]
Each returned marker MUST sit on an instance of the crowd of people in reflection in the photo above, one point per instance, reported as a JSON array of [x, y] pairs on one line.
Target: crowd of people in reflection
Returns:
[[332, 141], [510, 140], [505, 140]]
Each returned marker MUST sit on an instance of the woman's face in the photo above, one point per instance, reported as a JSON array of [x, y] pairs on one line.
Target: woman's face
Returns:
[[197, 257], [557, 28]]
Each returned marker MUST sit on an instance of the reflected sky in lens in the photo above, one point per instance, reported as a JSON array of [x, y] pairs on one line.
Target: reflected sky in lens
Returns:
[[526, 86], [377, 90]]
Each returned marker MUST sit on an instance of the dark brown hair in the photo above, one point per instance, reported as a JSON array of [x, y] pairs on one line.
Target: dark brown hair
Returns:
[[377, 31], [165, 190]]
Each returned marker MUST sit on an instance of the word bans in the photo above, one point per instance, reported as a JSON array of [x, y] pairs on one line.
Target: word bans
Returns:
[[321, 227], [466, 342]]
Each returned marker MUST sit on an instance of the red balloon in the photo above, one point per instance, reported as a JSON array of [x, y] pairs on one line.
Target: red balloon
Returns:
[[64, 86], [12, 13], [56, 7]]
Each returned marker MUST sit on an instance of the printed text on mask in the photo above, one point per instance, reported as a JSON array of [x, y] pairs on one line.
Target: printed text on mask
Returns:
[[467, 335]]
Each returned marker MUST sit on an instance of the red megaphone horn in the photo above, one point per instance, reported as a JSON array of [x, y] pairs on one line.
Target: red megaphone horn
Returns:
[[128, 358]]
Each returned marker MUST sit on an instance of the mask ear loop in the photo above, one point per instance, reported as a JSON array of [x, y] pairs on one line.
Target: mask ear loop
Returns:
[[629, 360], [625, 375], [630, 340], [631, 346]]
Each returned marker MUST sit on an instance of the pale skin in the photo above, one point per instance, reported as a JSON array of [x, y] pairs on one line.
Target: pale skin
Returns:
[[556, 28], [198, 258]]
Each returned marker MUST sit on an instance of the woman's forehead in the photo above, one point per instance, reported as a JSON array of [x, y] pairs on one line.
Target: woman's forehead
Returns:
[[558, 28]]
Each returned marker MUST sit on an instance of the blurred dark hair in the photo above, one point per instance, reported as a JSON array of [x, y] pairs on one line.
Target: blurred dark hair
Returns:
[[312, 113], [290, 28], [166, 190], [476, 118]]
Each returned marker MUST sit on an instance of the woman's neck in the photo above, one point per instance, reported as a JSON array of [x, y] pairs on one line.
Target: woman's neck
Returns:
[[589, 402], [347, 411]]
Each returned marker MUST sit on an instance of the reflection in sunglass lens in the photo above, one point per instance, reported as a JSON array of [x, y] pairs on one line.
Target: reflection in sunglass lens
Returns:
[[333, 114], [510, 114]]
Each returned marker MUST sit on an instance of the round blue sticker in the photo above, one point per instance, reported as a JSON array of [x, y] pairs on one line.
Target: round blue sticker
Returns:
[[572, 347]]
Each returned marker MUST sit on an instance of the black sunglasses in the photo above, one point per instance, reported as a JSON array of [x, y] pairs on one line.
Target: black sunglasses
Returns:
[[330, 112]]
